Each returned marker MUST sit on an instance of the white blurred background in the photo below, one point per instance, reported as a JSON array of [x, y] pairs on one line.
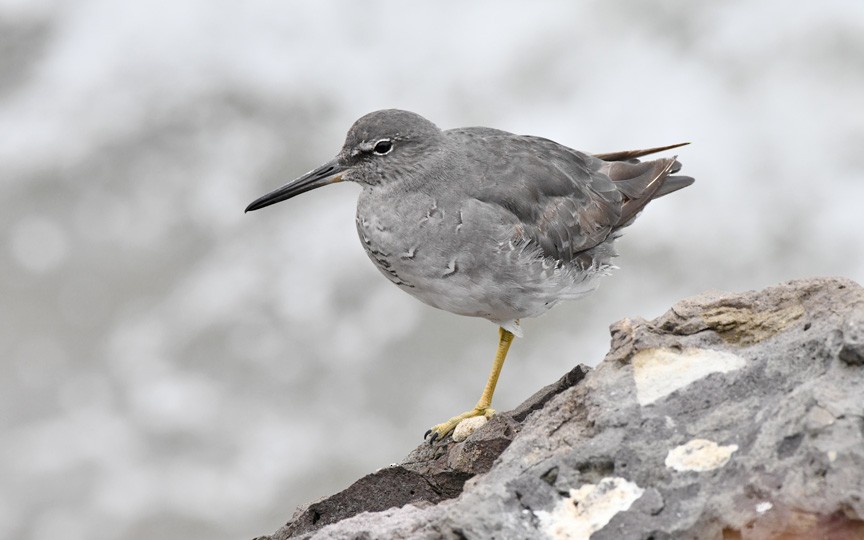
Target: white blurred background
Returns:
[[172, 368]]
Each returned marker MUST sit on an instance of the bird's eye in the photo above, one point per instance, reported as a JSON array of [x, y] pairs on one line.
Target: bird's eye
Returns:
[[383, 147]]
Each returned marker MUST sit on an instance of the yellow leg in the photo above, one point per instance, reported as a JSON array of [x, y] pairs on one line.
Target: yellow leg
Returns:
[[484, 405]]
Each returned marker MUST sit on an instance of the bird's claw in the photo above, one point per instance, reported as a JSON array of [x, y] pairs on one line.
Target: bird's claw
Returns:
[[439, 431], [433, 438]]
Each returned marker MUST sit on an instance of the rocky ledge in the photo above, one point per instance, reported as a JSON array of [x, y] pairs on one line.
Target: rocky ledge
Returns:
[[732, 416]]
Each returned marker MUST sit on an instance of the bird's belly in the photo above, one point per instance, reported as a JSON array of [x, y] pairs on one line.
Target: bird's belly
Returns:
[[483, 277], [481, 292]]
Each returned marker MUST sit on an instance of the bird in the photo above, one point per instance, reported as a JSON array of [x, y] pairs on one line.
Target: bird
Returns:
[[485, 223]]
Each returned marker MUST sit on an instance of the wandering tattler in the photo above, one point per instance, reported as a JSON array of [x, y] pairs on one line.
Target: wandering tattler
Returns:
[[485, 223]]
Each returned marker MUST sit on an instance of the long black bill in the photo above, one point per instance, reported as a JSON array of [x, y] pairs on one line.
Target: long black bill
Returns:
[[328, 173]]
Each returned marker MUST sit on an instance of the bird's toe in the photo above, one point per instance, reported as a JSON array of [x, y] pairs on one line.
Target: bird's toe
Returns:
[[440, 431]]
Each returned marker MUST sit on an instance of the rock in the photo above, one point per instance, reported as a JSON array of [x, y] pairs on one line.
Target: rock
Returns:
[[730, 416], [852, 339], [430, 474], [466, 427]]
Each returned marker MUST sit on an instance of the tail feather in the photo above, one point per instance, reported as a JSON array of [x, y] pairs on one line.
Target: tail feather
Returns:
[[639, 182], [642, 182], [627, 155], [673, 183]]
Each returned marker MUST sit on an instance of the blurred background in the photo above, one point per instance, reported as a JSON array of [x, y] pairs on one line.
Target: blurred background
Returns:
[[172, 368]]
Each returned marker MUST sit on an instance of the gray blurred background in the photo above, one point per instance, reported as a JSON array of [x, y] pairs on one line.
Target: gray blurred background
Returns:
[[173, 368]]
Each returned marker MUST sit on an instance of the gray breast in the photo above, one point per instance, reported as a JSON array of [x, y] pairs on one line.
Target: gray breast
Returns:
[[411, 237], [377, 237]]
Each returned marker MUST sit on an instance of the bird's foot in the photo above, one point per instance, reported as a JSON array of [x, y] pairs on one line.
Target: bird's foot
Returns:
[[438, 432]]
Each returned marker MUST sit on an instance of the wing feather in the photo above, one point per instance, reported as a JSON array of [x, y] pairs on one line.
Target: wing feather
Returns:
[[566, 202]]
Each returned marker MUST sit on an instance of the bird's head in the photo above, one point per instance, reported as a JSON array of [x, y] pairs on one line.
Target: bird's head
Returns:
[[380, 146]]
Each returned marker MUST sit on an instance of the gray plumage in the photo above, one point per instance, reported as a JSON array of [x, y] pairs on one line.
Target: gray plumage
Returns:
[[482, 222]]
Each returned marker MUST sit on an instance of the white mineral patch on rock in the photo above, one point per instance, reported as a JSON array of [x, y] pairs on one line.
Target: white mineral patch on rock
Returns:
[[763, 507], [699, 455], [589, 508], [467, 427], [659, 372]]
